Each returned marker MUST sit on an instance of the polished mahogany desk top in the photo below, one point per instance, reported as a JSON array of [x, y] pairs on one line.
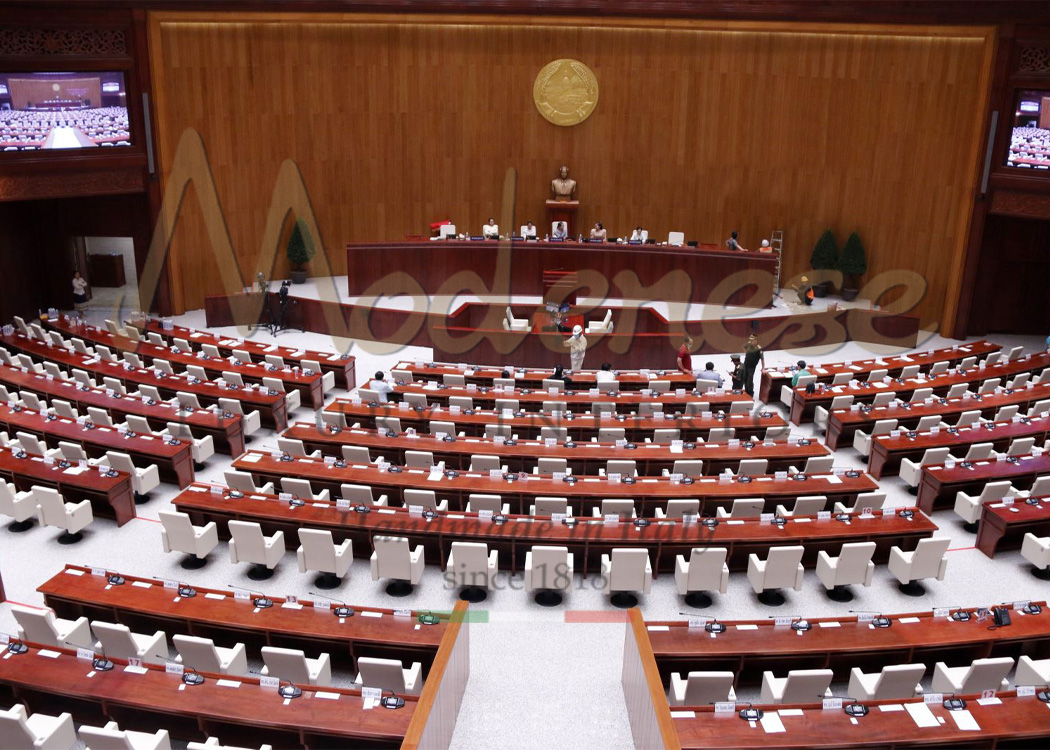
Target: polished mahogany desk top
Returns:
[[939, 484], [341, 364], [250, 704], [305, 380], [853, 633], [635, 426], [803, 404], [826, 372], [533, 377], [159, 598], [888, 450], [573, 398], [229, 427], [271, 405], [1013, 519], [172, 456], [457, 454], [1013, 718], [843, 423], [73, 482], [663, 538], [645, 490]]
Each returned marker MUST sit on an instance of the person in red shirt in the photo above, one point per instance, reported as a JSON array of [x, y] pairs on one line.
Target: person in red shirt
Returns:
[[685, 359]]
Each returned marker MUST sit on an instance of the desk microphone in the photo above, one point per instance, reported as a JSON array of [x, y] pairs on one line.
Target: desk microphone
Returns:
[[855, 709], [102, 664], [191, 676], [1044, 694], [341, 611], [879, 621], [961, 615], [1031, 609], [261, 601], [392, 701], [186, 591], [289, 691], [954, 704], [750, 713], [16, 647], [428, 618]]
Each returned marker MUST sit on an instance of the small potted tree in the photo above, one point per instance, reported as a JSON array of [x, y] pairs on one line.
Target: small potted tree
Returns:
[[300, 250], [853, 264], [825, 257]]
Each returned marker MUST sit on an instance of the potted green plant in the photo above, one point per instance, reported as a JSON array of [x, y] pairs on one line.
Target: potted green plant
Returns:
[[825, 257], [300, 250], [853, 264]]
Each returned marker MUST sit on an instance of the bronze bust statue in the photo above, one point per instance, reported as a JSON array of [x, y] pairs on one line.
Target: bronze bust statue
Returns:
[[563, 188]]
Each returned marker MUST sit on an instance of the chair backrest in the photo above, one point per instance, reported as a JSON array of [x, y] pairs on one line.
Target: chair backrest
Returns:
[[603, 407], [1021, 446], [101, 738], [704, 688], [481, 501], [926, 559], [882, 399], [804, 685], [689, 467], [753, 466], [994, 491], [187, 399], [853, 562], [233, 378], [545, 506], [660, 386], [31, 444], [453, 379], [547, 465], [357, 494], [819, 464], [721, 434], [251, 545], [416, 399], [1004, 414], [239, 480], [318, 549], [928, 422], [968, 418], [480, 462], [393, 557], [425, 499], [809, 505], [750, 507], [116, 639], [405, 376], [419, 459], [197, 653], [679, 508], [64, 409], [286, 664], [705, 566], [610, 434], [297, 487], [622, 508], [179, 529], [549, 566], [275, 384], [920, 394], [555, 433], [676, 238], [436, 426], [986, 674], [497, 430], [463, 402], [121, 462], [627, 468], [386, 674], [664, 436], [884, 427], [874, 500], [781, 566], [841, 378], [628, 569], [841, 402], [369, 396], [938, 367], [645, 408], [877, 375], [470, 556], [138, 424], [291, 446], [607, 386], [393, 424], [934, 456], [52, 506], [697, 407], [989, 385], [38, 624], [335, 419], [898, 681], [14, 732]]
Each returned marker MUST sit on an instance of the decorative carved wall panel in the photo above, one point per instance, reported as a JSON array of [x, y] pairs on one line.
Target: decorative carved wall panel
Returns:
[[19, 42]]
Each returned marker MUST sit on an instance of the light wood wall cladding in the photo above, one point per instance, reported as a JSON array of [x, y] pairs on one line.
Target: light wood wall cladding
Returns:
[[701, 127]]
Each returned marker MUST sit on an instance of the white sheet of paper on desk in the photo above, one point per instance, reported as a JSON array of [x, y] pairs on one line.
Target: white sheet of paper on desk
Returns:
[[889, 707], [993, 701], [75, 470], [326, 696], [72, 572], [790, 712], [734, 523], [772, 724], [251, 458], [135, 670], [291, 605], [802, 520], [821, 371], [369, 613], [683, 714], [228, 683], [48, 653], [855, 368], [220, 597], [907, 620], [657, 628], [921, 715], [830, 624], [142, 585], [832, 479], [965, 721], [747, 626]]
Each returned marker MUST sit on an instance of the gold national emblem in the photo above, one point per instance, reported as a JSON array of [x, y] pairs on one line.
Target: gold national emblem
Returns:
[[565, 92]]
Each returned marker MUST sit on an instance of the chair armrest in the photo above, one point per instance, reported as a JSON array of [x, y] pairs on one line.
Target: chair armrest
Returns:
[[267, 489], [277, 540], [300, 558], [324, 496], [767, 694]]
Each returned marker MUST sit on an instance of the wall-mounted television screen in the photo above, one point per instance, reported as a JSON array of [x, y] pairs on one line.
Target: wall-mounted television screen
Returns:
[[1030, 138], [42, 111]]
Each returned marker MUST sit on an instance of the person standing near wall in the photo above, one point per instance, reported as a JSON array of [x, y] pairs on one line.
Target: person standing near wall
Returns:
[[753, 355]]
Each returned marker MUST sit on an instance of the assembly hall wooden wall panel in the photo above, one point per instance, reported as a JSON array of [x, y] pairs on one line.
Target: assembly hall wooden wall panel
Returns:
[[703, 128]]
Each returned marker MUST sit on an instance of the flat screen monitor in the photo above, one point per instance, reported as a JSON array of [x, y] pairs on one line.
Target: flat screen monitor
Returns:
[[61, 111], [1030, 138]]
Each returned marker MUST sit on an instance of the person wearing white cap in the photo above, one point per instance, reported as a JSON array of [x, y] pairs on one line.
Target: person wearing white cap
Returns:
[[765, 247], [577, 344]]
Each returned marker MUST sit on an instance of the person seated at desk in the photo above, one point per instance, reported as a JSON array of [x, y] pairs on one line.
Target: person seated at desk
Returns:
[[708, 374], [560, 231], [491, 230], [801, 371], [732, 243], [528, 231], [380, 386], [598, 232], [639, 235], [804, 290], [605, 375], [559, 374], [765, 247]]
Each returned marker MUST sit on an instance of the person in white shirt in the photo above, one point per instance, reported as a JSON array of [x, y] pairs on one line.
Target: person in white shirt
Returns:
[[577, 344], [529, 230], [491, 230], [380, 386], [560, 231], [638, 235], [605, 375]]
